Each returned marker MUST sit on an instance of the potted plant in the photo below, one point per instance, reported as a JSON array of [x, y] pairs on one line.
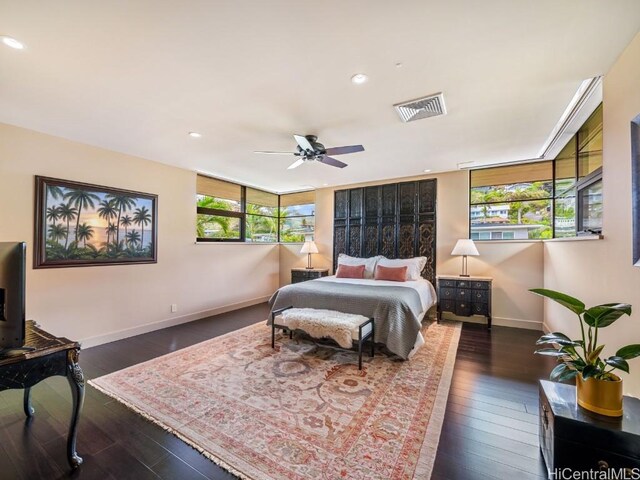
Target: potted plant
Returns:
[[598, 388]]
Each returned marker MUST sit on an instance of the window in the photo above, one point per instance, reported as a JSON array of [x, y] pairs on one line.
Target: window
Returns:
[[297, 216], [230, 212], [554, 198], [578, 171], [262, 216], [219, 210], [512, 202]]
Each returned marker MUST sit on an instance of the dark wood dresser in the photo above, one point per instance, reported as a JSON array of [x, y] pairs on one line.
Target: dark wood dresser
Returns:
[[46, 356], [574, 438], [464, 296], [303, 274]]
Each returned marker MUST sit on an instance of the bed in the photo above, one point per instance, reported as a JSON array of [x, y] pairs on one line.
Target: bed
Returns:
[[394, 222], [397, 307]]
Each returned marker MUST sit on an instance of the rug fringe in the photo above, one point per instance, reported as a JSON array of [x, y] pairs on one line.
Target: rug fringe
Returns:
[[429, 449], [221, 463]]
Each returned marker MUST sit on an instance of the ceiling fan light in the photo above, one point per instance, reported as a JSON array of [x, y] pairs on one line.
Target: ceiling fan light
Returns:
[[12, 42], [359, 78]]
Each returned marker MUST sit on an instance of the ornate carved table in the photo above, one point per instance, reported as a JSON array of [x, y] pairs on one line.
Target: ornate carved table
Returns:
[[47, 356]]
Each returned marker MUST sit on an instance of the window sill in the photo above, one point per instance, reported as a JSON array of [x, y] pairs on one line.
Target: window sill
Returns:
[[236, 243], [249, 243], [582, 238]]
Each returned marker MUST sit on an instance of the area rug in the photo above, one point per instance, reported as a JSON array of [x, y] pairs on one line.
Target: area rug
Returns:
[[301, 411]]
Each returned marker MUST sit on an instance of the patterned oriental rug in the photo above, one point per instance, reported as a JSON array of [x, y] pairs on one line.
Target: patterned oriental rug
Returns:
[[302, 411]]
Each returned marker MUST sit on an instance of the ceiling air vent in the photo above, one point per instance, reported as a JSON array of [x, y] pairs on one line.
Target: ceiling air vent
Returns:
[[430, 106]]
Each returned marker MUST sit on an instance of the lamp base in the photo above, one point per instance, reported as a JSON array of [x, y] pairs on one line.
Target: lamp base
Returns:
[[311, 268], [464, 275]]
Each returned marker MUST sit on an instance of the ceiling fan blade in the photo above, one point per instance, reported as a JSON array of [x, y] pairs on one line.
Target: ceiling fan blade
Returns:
[[343, 150], [295, 164], [266, 152], [304, 143], [331, 161]]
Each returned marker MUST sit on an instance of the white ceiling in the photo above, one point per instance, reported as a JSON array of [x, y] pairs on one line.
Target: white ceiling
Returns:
[[136, 77]]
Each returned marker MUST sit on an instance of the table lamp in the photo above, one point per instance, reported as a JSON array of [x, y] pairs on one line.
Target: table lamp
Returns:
[[309, 247], [464, 247]]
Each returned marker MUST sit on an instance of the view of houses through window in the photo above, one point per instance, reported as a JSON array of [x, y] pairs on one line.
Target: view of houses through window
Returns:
[[554, 198], [230, 212]]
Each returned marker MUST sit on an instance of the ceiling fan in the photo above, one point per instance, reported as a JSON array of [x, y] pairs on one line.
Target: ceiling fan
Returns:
[[309, 149]]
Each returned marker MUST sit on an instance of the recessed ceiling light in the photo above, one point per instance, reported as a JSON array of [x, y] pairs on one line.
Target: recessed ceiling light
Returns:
[[195, 134], [325, 184], [359, 78], [426, 170], [398, 65], [12, 42]]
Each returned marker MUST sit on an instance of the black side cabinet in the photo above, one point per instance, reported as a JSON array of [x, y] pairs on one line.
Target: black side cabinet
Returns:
[[574, 438], [303, 274], [464, 296]]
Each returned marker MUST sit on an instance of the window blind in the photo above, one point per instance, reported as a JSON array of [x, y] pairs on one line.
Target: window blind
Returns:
[[510, 174], [213, 187]]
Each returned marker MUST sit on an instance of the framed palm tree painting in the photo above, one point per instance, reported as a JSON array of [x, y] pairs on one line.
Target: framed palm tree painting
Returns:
[[78, 224]]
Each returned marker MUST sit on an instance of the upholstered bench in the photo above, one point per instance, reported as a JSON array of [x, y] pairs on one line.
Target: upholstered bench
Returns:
[[344, 328]]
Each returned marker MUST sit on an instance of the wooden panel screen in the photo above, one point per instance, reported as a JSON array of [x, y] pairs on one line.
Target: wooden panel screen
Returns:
[[397, 220]]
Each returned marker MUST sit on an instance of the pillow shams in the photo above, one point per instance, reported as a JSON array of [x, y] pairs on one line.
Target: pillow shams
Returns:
[[414, 265], [369, 263]]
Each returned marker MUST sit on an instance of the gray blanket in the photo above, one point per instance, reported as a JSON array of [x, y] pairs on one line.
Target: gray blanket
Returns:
[[396, 310]]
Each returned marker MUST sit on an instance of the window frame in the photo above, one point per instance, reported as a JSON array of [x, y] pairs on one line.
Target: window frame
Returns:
[[242, 216], [550, 198], [582, 185], [226, 213], [579, 185]]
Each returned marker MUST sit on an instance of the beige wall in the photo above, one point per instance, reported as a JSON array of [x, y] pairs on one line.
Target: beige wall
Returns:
[[98, 304], [515, 266], [601, 271]]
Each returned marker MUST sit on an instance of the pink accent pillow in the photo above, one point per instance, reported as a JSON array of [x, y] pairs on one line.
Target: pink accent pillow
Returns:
[[350, 271], [395, 274]]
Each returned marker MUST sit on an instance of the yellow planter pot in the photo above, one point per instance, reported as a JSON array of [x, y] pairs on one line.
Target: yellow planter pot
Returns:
[[600, 396]]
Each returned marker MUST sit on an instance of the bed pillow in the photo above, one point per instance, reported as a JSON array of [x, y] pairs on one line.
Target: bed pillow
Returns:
[[394, 274], [369, 263], [414, 265], [350, 271]]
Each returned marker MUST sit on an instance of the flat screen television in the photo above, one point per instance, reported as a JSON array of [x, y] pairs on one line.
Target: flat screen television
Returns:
[[13, 271]]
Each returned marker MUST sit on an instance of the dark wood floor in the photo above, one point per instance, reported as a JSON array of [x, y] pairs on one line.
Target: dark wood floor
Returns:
[[490, 427]]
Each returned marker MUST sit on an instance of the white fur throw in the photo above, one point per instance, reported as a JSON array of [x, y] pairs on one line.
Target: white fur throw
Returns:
[[324, 323]]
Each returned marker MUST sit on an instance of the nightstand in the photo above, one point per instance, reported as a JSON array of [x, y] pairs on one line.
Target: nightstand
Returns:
[[303, 274], [577, 440], [464, 296]]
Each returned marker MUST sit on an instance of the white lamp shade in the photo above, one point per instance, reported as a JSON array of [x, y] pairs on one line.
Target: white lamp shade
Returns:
[[309, 247], [465, 246]]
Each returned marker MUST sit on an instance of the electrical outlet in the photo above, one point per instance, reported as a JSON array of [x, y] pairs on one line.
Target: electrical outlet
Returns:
[[174, 307]]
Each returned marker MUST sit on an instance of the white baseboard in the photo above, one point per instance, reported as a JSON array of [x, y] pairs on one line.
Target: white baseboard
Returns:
[[499, 321], [545, 328], [169, 322]]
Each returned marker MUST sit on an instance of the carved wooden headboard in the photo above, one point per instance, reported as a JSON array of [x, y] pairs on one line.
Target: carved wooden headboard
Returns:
[[397, 220]]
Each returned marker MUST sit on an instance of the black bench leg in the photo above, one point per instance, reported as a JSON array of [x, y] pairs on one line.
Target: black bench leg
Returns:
[[28, 409], [273, 334], [373, 337]]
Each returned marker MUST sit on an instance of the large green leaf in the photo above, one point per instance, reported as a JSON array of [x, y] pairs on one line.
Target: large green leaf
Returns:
[[559, 341], [628, 352], [618, 362], [567, 375], [573, 304], [604, 315], [557, 371], [590, 371], [550, 352]]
